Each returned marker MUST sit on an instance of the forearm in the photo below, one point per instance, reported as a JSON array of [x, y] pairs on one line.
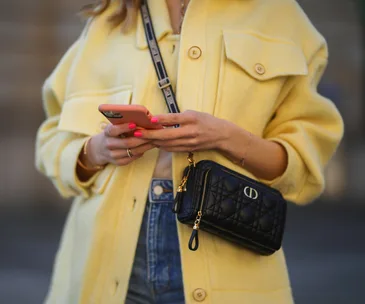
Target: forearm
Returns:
[[263, 158]]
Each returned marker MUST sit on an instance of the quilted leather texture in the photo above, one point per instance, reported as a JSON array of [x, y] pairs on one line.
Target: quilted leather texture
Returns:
[[234, 207]]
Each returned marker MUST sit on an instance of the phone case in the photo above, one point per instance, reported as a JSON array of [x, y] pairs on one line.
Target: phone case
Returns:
[[120, 114]]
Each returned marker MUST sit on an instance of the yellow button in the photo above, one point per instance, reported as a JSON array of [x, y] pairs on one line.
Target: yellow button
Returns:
[[199, 295], [194, 52], [260, 69]]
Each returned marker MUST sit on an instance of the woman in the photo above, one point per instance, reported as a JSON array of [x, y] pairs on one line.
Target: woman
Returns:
[[245, 73]]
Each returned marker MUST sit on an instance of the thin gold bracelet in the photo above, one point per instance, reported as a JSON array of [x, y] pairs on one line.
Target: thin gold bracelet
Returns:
[[83, 166], [84, 149]]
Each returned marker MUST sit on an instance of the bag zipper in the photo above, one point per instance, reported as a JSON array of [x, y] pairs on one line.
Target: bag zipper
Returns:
[[194, 235], [182, 186]]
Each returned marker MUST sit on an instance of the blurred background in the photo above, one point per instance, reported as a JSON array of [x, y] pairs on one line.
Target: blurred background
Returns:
[[324, 242]]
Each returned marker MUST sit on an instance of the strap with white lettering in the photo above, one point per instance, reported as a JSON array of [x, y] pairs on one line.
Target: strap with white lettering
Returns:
[[163, 79]]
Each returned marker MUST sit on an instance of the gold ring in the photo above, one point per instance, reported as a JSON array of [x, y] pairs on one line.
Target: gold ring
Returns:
[[129, 152]]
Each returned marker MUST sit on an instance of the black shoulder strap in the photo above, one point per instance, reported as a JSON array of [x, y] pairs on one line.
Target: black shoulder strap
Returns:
[[163, 79]]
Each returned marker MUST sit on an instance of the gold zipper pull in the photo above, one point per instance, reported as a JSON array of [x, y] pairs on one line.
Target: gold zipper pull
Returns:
[[197, 220], [179, 192], [182, 187], [191, 159], [196, 227]]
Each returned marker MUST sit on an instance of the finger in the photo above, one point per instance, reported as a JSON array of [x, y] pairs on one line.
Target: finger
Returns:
[[187, 142], [175, 118], [116, 143], [139, 151], [116, 130], [143, 149], [165, 134], [134, 142], [168, 119]]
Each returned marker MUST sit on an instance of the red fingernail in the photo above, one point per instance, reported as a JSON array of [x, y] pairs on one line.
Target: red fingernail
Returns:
[[138, 134], [132, 126], [154, 120]]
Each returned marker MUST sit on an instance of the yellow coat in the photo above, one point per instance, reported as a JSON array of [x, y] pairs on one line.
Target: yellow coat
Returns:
[[260, 63]]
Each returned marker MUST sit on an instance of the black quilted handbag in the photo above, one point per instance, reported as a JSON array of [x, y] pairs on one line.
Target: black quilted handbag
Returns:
[[230, 205], [214, 198]]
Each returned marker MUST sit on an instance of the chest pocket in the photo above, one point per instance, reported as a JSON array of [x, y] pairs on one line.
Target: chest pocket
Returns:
[[264, 57], [80, 112], [253, 70]]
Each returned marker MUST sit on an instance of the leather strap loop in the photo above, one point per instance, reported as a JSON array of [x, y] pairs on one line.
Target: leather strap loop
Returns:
[[194, 237]]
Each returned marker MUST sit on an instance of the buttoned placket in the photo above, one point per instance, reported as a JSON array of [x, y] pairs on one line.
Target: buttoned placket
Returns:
[[191, 69]]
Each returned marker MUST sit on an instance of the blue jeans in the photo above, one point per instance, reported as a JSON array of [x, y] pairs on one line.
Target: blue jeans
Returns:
[[156, 274]]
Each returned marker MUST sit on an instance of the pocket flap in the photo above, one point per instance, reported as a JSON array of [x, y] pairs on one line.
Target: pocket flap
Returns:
[[80, 113], [264, 57]]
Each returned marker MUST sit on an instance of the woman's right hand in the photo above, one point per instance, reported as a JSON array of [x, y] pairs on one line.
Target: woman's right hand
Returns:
[[110, 147]]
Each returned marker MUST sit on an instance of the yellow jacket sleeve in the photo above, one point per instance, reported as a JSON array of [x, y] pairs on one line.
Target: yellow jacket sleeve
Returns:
[[310, 128], [57, 151]]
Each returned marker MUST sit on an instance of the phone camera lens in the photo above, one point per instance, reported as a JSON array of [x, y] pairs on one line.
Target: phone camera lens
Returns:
[[112, 114]]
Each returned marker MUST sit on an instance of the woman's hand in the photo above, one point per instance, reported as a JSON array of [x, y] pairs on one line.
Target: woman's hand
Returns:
[[110, 147], [198, 131], [201, 131]]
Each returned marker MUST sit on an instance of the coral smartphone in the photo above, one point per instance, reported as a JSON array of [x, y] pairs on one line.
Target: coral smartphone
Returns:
[[120, 114]]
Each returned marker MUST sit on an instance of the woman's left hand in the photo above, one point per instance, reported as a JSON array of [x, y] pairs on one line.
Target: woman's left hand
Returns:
[[198, 131]]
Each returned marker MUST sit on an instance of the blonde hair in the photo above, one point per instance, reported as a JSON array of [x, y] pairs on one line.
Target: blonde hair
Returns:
[[125, 16]]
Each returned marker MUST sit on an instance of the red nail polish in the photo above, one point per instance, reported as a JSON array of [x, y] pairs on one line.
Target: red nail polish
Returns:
[[138, 134], [154, 120], [132, 126]]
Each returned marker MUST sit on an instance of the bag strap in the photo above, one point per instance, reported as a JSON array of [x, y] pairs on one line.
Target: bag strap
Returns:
[[163, 79]]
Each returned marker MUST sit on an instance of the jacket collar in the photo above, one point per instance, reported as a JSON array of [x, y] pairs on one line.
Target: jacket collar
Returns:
[[161, 22]]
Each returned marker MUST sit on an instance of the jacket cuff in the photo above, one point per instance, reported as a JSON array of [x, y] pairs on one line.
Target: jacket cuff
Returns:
[[68, 164], [291, 182]]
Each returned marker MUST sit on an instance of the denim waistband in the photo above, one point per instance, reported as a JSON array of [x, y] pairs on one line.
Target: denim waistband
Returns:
[[161, 191]]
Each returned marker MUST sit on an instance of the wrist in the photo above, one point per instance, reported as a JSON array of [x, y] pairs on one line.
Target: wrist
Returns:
[[236, 143], [86, 159], [228, 132]]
